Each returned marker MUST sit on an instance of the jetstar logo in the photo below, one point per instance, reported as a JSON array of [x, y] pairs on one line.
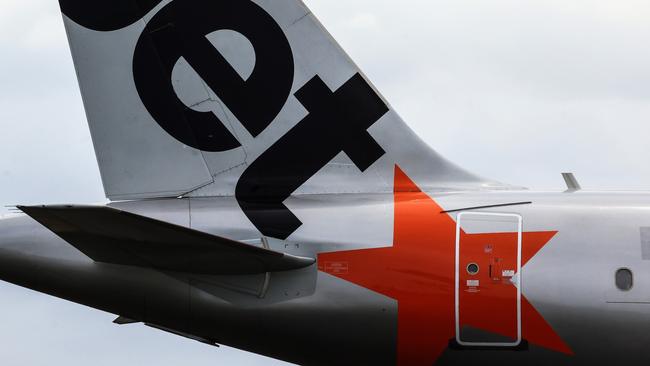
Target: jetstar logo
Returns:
[[418, 271], [337, 121]]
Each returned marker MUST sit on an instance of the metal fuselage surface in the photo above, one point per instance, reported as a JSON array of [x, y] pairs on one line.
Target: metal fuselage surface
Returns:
[[383, 290]]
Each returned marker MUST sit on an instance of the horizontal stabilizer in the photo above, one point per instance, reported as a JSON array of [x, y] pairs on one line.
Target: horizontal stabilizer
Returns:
[[113, 236]]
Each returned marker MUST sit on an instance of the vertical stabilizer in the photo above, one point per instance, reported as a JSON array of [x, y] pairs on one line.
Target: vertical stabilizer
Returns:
[[236, 97]]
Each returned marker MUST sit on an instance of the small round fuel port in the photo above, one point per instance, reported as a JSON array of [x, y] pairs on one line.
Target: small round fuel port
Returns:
[[473, 269]]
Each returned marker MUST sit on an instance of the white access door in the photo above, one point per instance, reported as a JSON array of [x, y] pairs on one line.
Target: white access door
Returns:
[[488, 279]]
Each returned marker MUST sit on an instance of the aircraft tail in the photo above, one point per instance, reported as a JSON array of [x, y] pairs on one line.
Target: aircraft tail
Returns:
[[236, 97]]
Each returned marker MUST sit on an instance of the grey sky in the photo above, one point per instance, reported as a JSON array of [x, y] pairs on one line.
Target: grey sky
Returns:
[[517, 91]]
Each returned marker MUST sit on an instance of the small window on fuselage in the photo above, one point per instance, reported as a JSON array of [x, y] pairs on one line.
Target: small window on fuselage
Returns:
[[624, 279]]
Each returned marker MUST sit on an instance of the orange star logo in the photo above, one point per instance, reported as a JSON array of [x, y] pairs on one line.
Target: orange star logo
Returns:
[[419, 272]]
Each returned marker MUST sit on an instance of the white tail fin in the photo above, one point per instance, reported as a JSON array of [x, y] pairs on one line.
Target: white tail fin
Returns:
[[235, 97]]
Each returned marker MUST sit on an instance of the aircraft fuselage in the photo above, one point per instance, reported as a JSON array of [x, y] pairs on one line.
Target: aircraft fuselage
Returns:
[[383, 291]]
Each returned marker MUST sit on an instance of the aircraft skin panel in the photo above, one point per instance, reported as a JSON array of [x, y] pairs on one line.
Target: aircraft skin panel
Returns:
[[123, 175]]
